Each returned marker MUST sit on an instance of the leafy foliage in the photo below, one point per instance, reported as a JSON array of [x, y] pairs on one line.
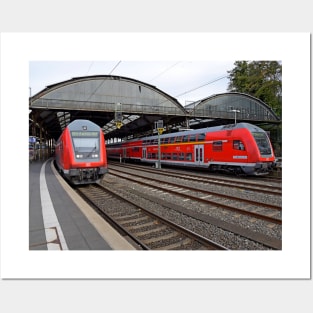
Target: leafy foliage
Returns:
[[261, 79]]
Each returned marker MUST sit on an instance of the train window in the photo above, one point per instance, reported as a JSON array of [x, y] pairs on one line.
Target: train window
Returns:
[[192, 138], [238, 145], [86, 144], [217, 145], [263, 142], [178, 139], [201, 137], [172, 139], [135, 149], [154, 142], [166, 156], [175, 156], [182, 156], [185, 138], [188, 156], [166, 140]]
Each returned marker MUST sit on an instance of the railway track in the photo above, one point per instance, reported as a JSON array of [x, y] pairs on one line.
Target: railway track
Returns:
[[146, 229], [262, 223], [266, 185], [268, 212]]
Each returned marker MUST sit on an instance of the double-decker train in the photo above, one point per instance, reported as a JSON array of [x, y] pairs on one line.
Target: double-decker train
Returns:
[[80, 153], [240, 148]]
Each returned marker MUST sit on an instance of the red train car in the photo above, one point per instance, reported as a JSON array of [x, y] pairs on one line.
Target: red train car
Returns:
[[80, 152], [241, 149]]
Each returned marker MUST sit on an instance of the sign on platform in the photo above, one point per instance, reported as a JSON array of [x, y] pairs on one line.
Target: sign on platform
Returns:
[[32, 139], [160, 131]]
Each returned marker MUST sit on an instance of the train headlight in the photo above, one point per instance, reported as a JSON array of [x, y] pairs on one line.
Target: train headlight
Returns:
[[79, 156], [95, 155]]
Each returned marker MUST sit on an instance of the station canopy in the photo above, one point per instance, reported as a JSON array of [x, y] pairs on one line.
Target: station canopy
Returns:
[[220, 108], [102, 99], [106, 99]]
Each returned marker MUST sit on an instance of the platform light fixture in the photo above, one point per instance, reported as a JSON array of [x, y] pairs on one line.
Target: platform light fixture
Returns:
[[236, 111]]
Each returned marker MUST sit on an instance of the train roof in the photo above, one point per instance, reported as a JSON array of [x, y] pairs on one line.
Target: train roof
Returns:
[[248, 126], [83, 125], [210, 129]]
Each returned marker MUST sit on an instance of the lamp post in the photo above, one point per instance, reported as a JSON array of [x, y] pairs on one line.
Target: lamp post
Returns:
[[236, 111]]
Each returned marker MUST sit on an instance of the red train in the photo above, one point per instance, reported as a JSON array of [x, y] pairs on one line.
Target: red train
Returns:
[[80, 152], [240, 149]]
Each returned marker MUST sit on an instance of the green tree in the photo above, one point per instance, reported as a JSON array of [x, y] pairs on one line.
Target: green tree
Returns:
[[261, 79]]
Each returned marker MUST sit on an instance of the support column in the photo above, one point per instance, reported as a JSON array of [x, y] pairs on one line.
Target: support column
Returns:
[[40, 142]]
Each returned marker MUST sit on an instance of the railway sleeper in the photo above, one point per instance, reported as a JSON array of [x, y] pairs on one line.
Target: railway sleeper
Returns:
[[121, 218], [143, 226], [151, 232], [134, 219], [180, 245], [163, 240]]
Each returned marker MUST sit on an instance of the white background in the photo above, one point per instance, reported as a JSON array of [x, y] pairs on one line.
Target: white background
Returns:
[[245, 281]]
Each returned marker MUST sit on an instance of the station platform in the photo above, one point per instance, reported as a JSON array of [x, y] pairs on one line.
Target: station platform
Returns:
[[60, 220]]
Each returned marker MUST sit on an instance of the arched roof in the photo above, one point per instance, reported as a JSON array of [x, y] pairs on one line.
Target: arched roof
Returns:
[[224, 105], [98, 98], [102, 92]]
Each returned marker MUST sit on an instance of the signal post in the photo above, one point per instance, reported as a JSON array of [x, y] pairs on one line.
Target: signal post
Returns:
[[159, 127]]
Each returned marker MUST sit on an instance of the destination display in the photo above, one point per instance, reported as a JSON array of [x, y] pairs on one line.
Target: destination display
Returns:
[[84, 134]]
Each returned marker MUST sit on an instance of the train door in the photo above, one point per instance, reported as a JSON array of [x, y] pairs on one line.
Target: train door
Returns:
[[144, 153], [199, 154]]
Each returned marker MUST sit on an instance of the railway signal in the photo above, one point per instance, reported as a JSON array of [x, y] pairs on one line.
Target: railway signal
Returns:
[[118, 116]]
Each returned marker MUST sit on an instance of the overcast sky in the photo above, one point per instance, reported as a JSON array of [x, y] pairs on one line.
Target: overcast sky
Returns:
[[185, 80]]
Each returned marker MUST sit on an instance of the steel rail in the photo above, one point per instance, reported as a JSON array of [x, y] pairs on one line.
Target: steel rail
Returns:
[[211, 245], [224, 206]]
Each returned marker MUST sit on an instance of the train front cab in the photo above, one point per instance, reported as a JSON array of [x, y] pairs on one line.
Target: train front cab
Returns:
[[80, 154], [242, 150], [266, 158], [88, 157]]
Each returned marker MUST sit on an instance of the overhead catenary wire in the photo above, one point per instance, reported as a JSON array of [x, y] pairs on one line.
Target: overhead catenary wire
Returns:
[[196, 88], [118, 63], [193, 89], [166, 70], [90, 66]]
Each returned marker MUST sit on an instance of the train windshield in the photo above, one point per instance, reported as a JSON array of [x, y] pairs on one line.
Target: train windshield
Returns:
[[86, 145], [263, 143]]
